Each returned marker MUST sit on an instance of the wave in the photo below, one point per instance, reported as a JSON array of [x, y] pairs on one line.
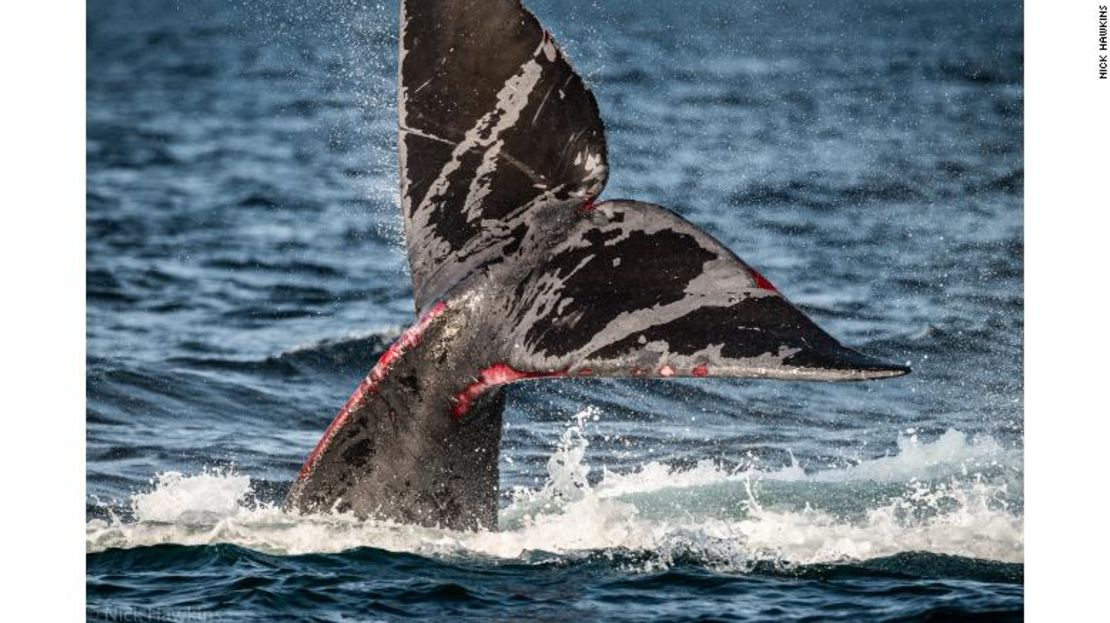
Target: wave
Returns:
[[356, 353], [817, 195], [953, 498]]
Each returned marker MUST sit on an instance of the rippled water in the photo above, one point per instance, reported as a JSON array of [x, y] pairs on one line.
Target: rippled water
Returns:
[[245, 269]]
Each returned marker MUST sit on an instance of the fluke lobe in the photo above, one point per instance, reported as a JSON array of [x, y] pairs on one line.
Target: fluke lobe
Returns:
[[520, 272]]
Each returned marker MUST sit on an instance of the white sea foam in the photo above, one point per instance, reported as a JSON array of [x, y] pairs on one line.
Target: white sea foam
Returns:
[[203, 498], [928, 497]]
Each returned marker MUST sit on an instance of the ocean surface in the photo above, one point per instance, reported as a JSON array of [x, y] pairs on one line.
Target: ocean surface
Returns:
[[246, 268]]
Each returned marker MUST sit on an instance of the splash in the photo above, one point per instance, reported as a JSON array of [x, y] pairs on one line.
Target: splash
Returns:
[[200, 499], [954, 495]]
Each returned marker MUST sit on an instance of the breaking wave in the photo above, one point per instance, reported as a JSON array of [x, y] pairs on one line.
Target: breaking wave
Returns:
[[952, 496]]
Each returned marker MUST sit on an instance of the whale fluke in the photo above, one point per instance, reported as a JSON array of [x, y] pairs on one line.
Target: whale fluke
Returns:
[[520, 272], [500, 140]]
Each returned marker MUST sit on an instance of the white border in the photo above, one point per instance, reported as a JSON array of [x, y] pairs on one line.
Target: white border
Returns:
[[42, 241], [1067, 203]]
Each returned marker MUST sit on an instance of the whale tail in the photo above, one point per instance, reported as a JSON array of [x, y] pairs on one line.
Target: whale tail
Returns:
[[519, 272], [503, 155]]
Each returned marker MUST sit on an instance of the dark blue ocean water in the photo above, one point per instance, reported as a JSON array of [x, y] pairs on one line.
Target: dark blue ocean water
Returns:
[[246, 267]]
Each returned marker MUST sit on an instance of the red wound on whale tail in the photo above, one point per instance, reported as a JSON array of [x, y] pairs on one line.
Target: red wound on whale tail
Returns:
[[761, 281], [369, 385], [497, 374], [588, 205]]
